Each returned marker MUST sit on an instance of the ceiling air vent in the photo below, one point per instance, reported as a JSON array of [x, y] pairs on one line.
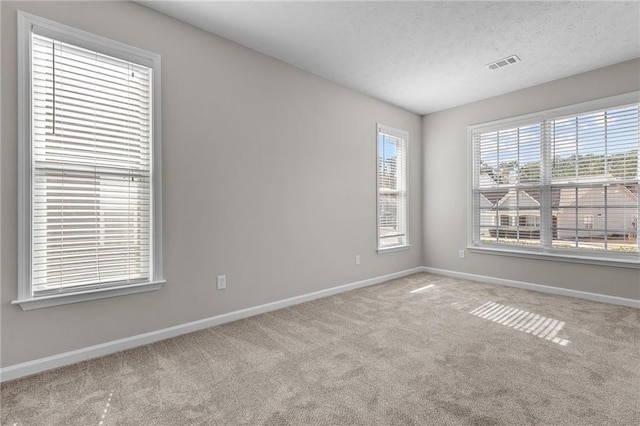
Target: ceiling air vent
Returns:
[[503, 62]]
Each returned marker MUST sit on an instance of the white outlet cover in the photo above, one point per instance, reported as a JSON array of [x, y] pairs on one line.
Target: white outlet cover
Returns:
[[222, 282]]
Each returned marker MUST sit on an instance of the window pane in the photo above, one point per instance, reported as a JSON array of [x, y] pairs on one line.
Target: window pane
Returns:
[[391, 189], [517, 215], [509, 159], [89, 229], [600, 145], [597, 218]]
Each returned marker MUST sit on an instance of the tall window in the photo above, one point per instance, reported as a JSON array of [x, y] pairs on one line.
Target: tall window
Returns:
[[392, 188], [562, 182], [89, 156]]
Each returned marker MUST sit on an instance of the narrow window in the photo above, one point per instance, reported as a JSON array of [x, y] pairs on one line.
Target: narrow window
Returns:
[[392, 188], [89, 157]]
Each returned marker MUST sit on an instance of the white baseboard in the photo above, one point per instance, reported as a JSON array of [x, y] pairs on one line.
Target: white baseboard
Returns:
[[39, 365], [634, 303]]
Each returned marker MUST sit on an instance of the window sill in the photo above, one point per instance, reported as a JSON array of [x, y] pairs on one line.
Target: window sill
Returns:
[[560, 257], [64, 299], [393, 249]]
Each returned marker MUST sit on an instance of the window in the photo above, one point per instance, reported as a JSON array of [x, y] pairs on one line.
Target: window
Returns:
[[570, 177], [392, 188], [588, 222], [89, 166]]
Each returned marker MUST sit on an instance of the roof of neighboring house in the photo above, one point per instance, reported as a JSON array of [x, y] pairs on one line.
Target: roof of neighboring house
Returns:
[[526, 200], [484, 202], [490, 190], [559, 196]]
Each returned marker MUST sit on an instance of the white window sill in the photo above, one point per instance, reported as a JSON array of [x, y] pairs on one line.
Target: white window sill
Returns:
[[64, 299], [631, 262], [393, 249]]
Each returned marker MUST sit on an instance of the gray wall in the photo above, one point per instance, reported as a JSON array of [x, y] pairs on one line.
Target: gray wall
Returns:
[[269, 178], [446, 180]]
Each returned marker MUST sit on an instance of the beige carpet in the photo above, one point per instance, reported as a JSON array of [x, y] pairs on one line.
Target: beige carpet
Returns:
[[454, 352]]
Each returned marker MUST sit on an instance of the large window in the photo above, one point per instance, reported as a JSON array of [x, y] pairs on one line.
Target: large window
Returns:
[[392, 188], [563, 183], [89, 158]]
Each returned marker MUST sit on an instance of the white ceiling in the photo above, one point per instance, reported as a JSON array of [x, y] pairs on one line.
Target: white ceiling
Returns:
[[426, 56]]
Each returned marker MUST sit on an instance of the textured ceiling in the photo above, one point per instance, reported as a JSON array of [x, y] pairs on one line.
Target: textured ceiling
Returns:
[[426, 56]]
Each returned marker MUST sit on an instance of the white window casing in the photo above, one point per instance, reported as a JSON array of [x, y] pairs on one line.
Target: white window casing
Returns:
[[391, 184], [560, 184], [90, 187]]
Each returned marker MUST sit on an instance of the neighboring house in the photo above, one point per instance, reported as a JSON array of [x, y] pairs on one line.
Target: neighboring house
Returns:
[[578, 211], [582, 212], [500, 215], [519, 215]]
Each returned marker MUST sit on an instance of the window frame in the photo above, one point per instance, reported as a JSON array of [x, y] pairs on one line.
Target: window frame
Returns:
[[545, 253], [404, 136], [27, 24]]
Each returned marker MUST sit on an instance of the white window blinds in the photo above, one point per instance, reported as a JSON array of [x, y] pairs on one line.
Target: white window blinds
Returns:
[[508, 195], [91, 165], [594, 180], [565, 184], [392, 188]]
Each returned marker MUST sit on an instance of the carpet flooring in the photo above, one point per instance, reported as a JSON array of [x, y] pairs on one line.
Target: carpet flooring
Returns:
[[421, 350]]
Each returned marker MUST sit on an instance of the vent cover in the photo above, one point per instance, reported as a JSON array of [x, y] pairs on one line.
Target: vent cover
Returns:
[[503, 62]]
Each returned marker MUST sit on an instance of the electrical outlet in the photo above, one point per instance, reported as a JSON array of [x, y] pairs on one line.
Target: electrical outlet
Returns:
[[222, 282], [461, 254], [357, 259]]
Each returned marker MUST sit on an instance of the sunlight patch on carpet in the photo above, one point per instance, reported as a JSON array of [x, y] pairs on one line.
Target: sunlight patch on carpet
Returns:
[[106, 409], [418, 290], [518, 319]]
